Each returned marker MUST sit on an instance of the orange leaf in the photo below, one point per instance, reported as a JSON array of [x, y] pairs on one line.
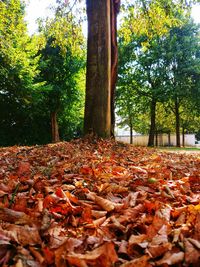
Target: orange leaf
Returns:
[[24, 168]]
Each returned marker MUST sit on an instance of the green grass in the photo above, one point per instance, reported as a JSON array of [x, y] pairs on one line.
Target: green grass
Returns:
[[180, 148]]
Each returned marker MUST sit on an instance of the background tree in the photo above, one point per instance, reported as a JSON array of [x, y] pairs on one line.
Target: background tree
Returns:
[[61, 62], [189, 119], [38, 74], [18, 67], [182, 61], [144, 70], [130, 98], [145, 63]]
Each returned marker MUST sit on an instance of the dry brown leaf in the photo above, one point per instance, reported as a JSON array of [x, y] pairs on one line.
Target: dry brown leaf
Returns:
[[98, 213], [17, 217], [181, 219], [25, 235], [117, 224], [115, 189], [103, 203], [37, 255], [130, 214], [131, 199], [156, 225], [123, 247], [137, 169], [96, 223], [140, 262], [195, 242], [192, 254], [171, 258], [176, 234], [164, 213], [155, 251], [103, 256], [161, 237], [197, 227], [137, 239]]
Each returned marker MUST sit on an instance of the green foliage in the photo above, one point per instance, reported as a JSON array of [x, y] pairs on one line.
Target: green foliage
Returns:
[[152, 18], [61, 70], [141, 76], [167, 67], [182, 59], [39, 74], [18, 66]]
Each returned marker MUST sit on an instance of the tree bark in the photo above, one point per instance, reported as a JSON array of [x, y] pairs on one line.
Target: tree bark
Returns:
[[54, 127], [183, 137], [115, 4], [169, 138], [101, 73], [177, 115], [131, 133], [156, 134], [153, 123], [98, 76]]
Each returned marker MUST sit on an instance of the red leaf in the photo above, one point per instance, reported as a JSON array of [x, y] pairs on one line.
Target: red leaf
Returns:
[[48, 255]]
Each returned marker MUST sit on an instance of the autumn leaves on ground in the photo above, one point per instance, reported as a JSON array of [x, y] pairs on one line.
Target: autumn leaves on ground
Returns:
[[98, 203]]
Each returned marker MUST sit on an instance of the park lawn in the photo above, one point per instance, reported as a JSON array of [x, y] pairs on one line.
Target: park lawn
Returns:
[[99, 203], [197, 149]]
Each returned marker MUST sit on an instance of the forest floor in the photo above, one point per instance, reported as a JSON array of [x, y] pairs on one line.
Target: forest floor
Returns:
[[98, 203]]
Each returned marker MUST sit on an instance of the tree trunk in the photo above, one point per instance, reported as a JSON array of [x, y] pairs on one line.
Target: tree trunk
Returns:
[[177, 115], [131, 133], [101, 73], [169, 138], [98, 76], [115, 4], [156, 134], [54, 127], [153, 123], [161, 140], [183, 137]]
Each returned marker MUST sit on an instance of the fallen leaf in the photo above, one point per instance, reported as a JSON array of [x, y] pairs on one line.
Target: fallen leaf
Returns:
[[140, 262], [171, 258], [192, 254], [99, 257], [103, 203]]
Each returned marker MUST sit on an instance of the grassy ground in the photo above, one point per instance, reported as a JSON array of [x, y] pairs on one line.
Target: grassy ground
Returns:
[[195, 149]]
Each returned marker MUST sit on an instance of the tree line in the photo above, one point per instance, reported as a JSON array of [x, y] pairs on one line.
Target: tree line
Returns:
[[43, 76], [159, 90]]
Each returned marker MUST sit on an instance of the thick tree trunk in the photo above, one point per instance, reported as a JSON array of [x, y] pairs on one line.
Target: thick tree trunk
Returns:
[[177, 115], [54, 127], [153, 123], [101, 74], [98, 77], [115, 4]]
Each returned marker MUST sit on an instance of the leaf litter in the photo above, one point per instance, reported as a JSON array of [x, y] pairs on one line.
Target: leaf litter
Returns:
[[93, 202]]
